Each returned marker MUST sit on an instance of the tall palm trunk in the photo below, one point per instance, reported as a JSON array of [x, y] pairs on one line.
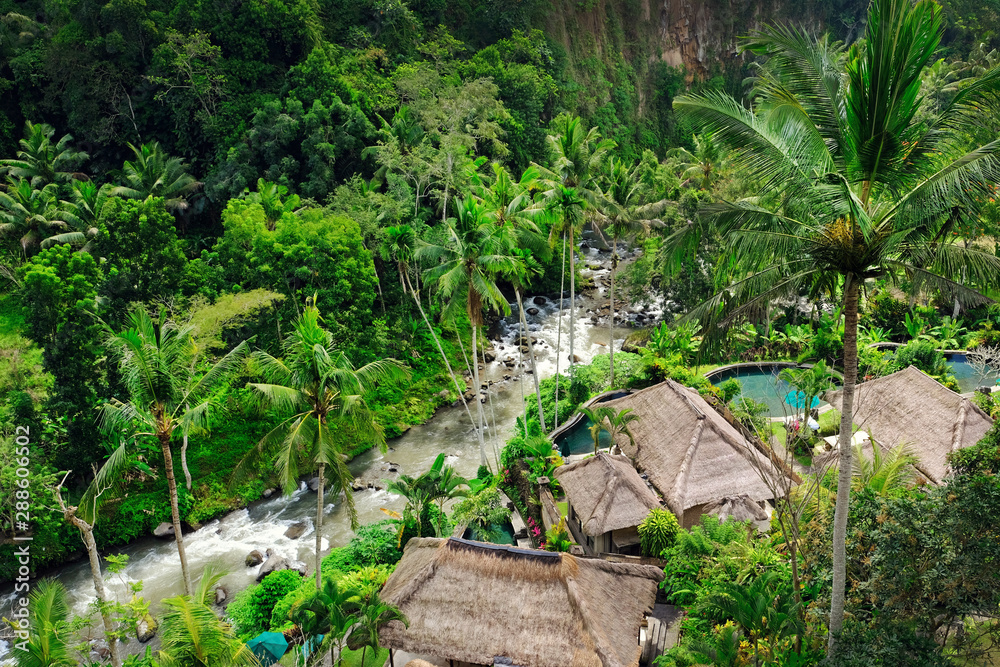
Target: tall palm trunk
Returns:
[[493, 414], [319, 526], [562, 285], [184, 462], [87, 532], [851, 292], [447, 363], [611, 319], [572, 303], [479, 403], [534, 367], [175, 513]]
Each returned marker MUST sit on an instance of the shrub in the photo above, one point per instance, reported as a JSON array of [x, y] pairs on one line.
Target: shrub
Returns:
[[250, 611], [657, 532], [887, 312], [923, 355]]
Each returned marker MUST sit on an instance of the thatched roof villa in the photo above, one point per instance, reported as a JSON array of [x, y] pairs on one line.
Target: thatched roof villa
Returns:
[[910, 407], [470, 603], [690, 453], [607, 499]]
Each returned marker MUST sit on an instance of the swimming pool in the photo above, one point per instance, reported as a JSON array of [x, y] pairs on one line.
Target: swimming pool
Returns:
[[577, 439], [760, 383], [965, 373], [506, 535]]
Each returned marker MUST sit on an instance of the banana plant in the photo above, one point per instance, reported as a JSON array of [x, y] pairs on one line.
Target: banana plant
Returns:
[[914, 325]]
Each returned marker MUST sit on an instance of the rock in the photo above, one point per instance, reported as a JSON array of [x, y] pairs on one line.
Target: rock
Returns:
[[395, 469], [529, 371], [165, 531], [268, 493], [102, 651], [489, 356], [314, 484], [254, 558], [443, 394], [299, 567], [510, 362], [357, 485], [524, 349], [145, 629], [221, 595], [468, 396], [268, 553], [532, 311], [272, 564], [576, 359], [539, 301], [295, 530]]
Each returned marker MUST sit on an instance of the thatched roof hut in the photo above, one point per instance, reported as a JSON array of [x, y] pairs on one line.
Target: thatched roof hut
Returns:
[[691, 454], [471, 602], [740, 508], [606, 492], [910, 407]]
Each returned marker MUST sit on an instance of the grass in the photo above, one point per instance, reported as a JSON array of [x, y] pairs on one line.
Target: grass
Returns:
[[350, 658], [563, 508]]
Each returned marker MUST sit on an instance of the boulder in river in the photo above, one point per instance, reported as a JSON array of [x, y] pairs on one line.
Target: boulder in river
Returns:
[[268, 493], [254, 558], [532, 311], [539, 301], [221, 595], [145, 629], [295, 530], [272, 564], [489, 355], [164, 531], [314, 484]]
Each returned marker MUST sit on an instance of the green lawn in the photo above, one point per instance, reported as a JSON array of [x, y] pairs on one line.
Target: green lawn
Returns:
[[563, 507], [351, 658]]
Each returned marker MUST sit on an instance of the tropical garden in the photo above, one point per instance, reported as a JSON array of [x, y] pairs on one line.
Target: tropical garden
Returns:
[[237, 263]]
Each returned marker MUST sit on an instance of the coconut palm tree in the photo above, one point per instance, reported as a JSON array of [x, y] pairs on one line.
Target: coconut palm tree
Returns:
[[613, 422], [165, 397], [32, 215], [82, 212], [885, 471], [325, 396], [810, 382], [41, 160], [520, 278], [442, 483], [465, 270], [571, 189], [154, 173], [372, 614], [417, 496], [852, 186], [701, 166], [331, 612], [627, 213], [400, 244], [192, 635], [274, 199], [84, 517], [48, 627]]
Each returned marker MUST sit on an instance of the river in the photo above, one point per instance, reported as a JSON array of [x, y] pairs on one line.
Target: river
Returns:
[[226, 542]]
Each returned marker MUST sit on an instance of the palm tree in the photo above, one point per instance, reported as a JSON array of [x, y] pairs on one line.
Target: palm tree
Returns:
[[399, 244], [703, 165], [885, 471], [84, 518], [442, 484], [571, 189], [611, 421], [325, 395], [33, 215], [810, 382], [852, 186], [274, 199], [416, 494], [628, 212], [527, 267], [465, 270], [42, 161], [483, 511], [153, 173], [372, 614], [331, 612], [193, 636], [48, 627], [157, 361], [83, 213]]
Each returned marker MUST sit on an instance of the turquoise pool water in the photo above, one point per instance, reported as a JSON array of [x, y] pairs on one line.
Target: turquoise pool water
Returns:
[[506, 535], [761, 383], [579, 441], [968, 378]]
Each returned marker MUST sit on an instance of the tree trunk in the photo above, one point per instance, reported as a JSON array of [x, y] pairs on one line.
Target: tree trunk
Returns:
[[611, 318], [175, 512], [444, 357], [87, 532], [520, 359], [562, 284], [184, 462], [493, 414], [572, 303], [534, 367], [319, 526], [479, 404], [851, 292]]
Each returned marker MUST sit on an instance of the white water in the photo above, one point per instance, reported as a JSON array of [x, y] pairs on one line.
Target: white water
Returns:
[[227, 541]]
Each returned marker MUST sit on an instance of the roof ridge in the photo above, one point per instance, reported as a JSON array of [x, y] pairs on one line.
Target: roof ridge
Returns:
[[604, 652]]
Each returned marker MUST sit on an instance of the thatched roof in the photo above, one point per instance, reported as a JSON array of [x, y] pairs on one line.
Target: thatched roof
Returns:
[[606, 492], [418, 663], [910, 407], [470, 601], [691, 454], [740, 508]]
